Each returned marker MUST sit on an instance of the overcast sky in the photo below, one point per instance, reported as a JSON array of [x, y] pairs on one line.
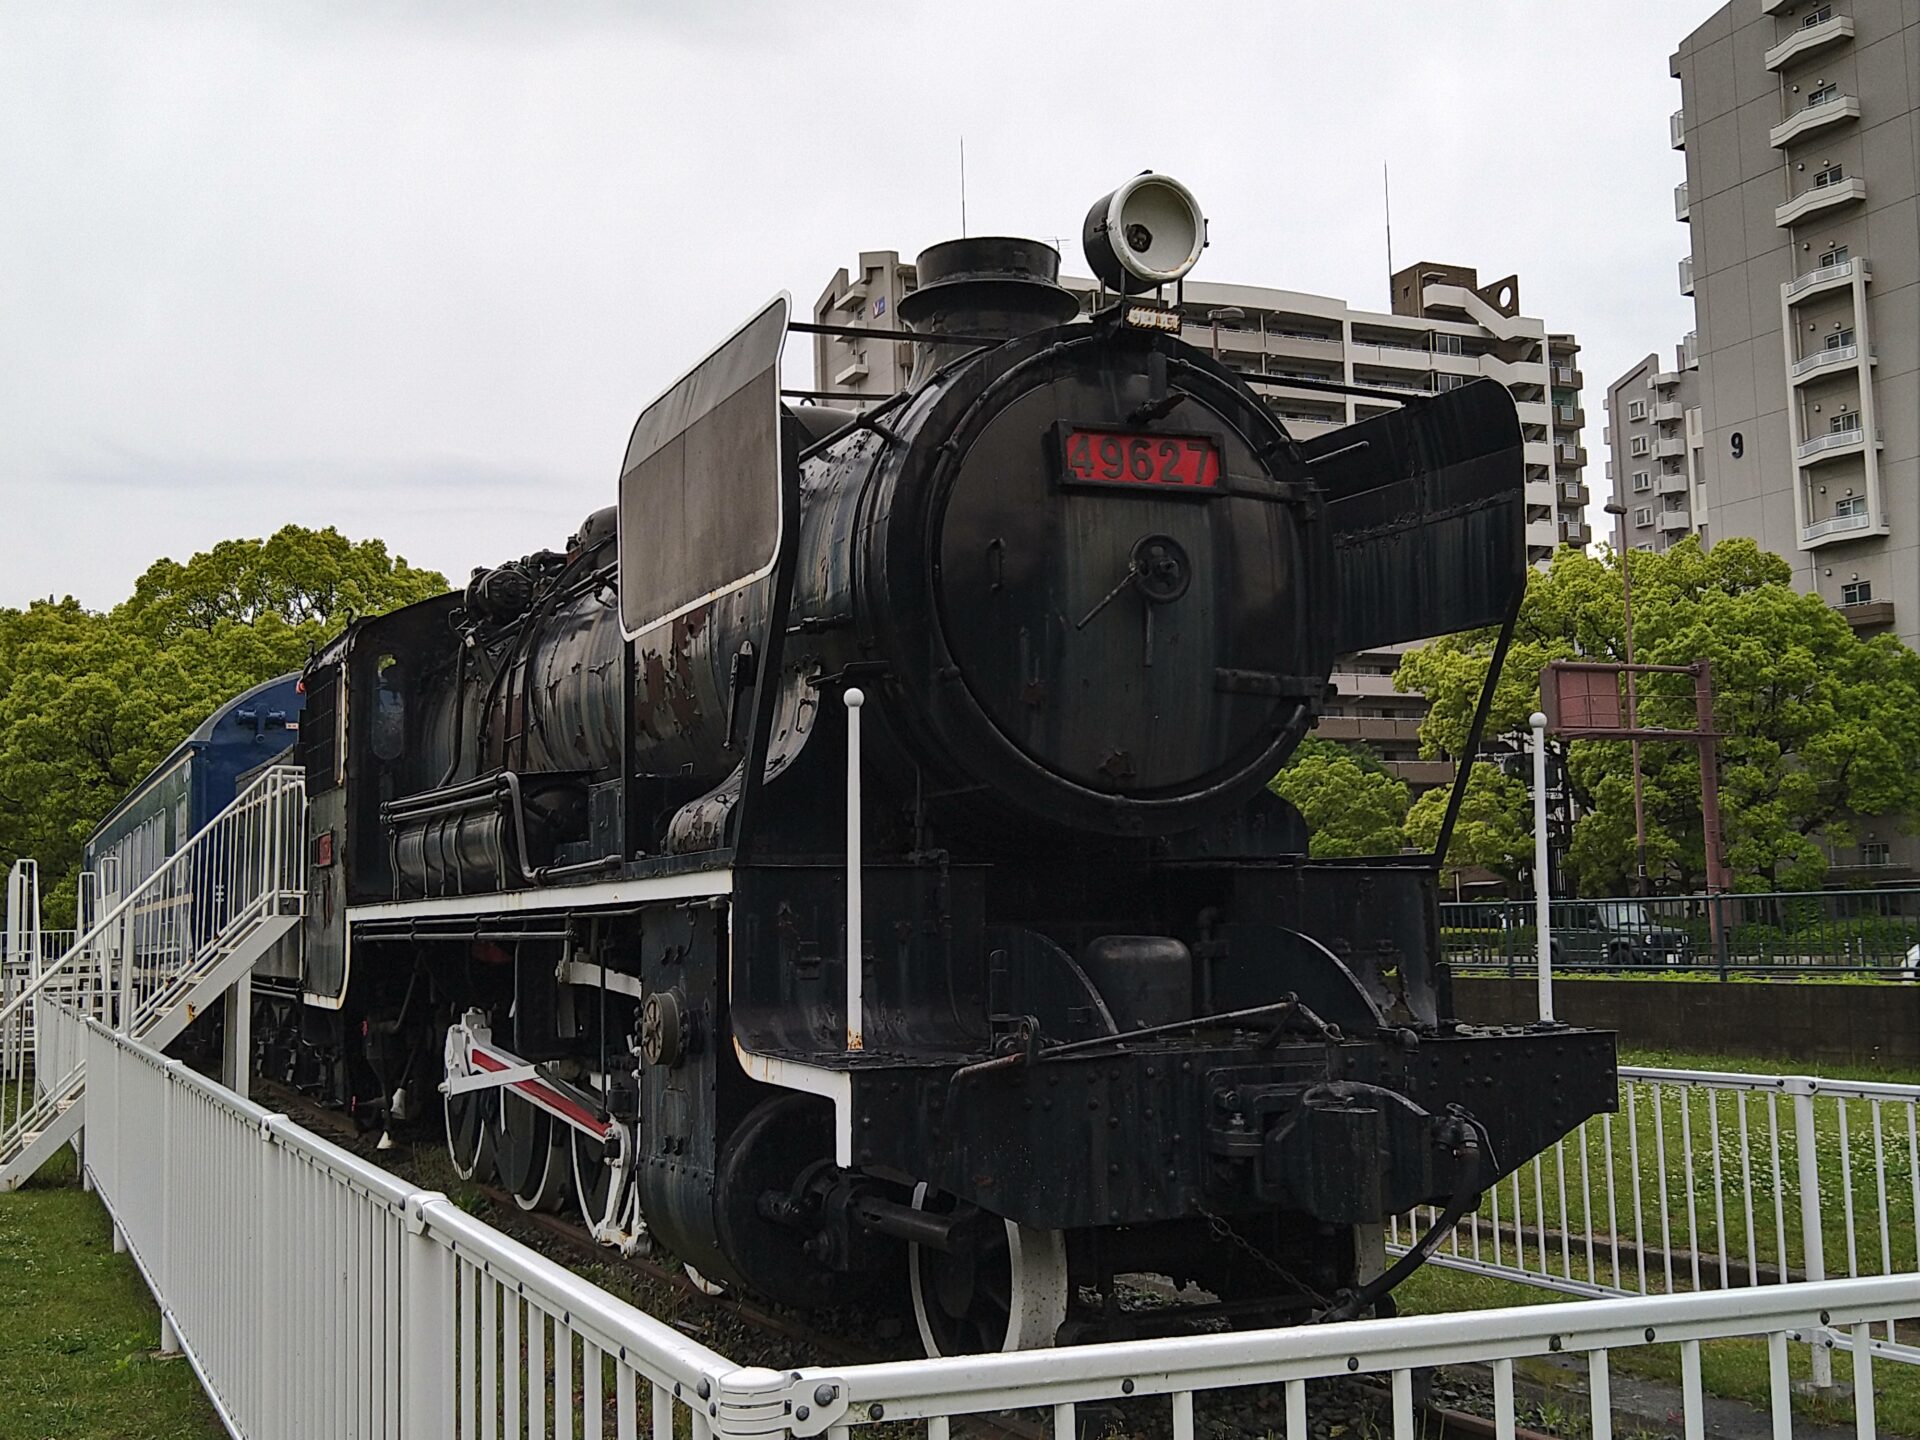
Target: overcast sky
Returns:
[[412, 269]]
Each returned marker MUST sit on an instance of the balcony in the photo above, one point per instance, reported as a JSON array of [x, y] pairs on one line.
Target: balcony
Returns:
[[1835, 528], [1542, 535], [1664, 379], [1671, 447], [1572, 492], [1677, 129], [1686, 275], [851, 374], [1567, 375], [1676, 484], [1819, 199], [1774, 7], [1680, 210], [1673, 522], [1570, 454], [851, 298], [1373, 728], [1569, 416], [1821, 360], [1690, 350], [1809, 40], [1811, 118], [1668, 412], [1425, 773], [1827, 277], [1869, 616], [1575, 532], [1836, 443]]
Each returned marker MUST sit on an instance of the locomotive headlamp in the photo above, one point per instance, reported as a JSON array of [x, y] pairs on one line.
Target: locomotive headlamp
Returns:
[[1148, 232]]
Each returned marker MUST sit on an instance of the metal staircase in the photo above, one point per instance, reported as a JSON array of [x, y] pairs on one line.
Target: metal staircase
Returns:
[[150, 962]]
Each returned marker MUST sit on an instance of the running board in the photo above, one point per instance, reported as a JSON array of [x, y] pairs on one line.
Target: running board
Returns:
[[41, 1147], [235, 965]]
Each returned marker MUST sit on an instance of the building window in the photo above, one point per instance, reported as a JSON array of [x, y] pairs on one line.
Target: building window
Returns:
[[1444, 383], [1446, 344], [1857, 592], [1876, 852], [1838, 255], [1850, 505], [1832, 175], [1823, 95], [1636, 410], [1817, 16], [1639, 445], [1843, 424], [1839, 339], [1643, 516], [1642, 480]]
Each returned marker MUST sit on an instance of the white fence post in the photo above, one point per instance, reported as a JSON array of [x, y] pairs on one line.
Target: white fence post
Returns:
[[426, 1327], [1813, 1238], [162, 1258]]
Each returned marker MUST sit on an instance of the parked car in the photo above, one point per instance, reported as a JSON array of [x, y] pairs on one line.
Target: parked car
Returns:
[[1613, 932]]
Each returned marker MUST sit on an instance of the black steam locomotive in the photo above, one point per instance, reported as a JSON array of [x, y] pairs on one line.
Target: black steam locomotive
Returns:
[[853, 853]]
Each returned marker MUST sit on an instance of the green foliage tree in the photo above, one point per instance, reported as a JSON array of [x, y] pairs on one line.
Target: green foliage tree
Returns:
[[1820, 725], [1352, 806], [90, 702], [1494, 829]]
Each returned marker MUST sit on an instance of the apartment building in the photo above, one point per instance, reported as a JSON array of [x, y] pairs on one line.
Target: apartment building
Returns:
[[1800, 125], [1442, 329], [1655, 455]]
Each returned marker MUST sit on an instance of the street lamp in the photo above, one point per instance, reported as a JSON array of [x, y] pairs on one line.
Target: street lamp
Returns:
[[1225, 312], [1643, 882]]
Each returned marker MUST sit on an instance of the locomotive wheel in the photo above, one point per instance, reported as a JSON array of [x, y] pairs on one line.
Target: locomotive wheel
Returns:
[[594, 1190], [1009, 1292], [470, 1132], [527, 1155]]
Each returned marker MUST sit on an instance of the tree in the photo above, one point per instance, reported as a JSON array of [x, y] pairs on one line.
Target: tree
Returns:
[[1494, 829], [1351, 807], [1820, 725], [90, 702]]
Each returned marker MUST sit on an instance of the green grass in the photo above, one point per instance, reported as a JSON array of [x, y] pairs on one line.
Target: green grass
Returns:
[[76, 1351]]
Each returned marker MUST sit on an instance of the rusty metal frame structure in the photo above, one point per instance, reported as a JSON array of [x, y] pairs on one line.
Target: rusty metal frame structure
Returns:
[[1584, 711]]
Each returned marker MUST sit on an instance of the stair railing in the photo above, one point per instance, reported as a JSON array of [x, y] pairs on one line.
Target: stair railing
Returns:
[[142, 954]]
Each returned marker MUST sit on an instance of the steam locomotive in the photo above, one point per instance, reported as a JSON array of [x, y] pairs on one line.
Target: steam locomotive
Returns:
[[849, 863]]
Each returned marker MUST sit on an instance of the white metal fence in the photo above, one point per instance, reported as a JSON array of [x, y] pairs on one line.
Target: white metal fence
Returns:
[[1706, 1181], [1169, 1380], [317, 1295]]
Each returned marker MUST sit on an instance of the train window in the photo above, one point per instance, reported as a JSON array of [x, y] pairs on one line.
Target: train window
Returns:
[[700, 491], [389, 737], [320, 729]]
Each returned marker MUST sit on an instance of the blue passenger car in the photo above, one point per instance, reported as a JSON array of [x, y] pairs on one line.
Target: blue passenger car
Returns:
[[197, 781]]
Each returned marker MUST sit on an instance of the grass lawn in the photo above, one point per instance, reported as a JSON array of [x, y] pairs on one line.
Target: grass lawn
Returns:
[[76, 1351]]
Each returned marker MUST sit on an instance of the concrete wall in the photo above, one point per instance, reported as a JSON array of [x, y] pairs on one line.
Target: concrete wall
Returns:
[[1811, 1024]]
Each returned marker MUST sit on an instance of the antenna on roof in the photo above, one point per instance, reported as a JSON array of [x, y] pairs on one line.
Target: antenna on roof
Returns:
[[1386, 190]]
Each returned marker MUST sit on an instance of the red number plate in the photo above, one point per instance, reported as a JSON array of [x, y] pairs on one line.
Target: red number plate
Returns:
[[1113, 457]]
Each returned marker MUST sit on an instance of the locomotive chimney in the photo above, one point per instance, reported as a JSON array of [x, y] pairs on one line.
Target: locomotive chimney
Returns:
[[992, 287]]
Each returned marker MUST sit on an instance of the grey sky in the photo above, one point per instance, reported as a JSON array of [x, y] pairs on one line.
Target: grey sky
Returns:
[[413, 269]]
